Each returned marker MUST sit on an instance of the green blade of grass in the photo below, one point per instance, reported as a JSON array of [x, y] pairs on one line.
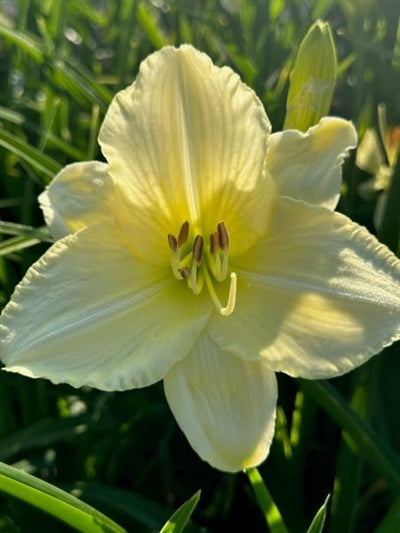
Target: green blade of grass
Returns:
[[16, 244], [45, 432], [368, 442], [141, 510], [267, 505], [55, 502], [391, 521], [350, 463], [52, 140], [47, 165], [22, 230], [77, 78], [25, 42], [318, 522], [68, 74], [150, 27], [180, 518]]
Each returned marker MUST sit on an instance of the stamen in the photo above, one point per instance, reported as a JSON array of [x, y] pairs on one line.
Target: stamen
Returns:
[[175, 259], [173, 243], [196, 280], [198, 267], [214, 244], [185, 272], [183, 234], [214, 259], [185, 261], [198, 249], [224, 266], [223, 237]]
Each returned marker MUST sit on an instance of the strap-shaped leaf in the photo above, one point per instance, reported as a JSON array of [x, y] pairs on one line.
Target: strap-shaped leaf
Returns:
[[180, 518], [55, 502]]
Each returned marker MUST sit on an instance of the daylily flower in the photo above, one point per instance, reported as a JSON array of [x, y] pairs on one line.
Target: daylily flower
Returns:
[[380, 163], [205, 252]]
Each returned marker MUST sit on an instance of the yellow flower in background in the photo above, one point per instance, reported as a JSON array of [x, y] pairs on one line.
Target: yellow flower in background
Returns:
[[206, 253], [379, 160]]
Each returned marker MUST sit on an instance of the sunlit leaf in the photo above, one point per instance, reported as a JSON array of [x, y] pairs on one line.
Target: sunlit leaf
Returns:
[[42, 162], [318, 522], [180, 518], [55, 502]]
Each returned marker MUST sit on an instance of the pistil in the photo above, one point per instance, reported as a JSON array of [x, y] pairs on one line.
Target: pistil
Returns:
[[230, 305]]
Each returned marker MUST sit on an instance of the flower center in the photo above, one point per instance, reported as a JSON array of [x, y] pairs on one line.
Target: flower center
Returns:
[[201, 265]]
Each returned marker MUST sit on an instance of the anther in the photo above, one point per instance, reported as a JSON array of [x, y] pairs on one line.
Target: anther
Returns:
[[199, 267], [214, 244], [185, 272], [223, 238], [198, 249], [183, 234], [173, 243]]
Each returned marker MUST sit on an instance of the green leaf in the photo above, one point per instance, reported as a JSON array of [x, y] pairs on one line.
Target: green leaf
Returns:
[[73, 76], [349, 463], [267, 505], [368, 442], [55, 502], [181, 517], [312, 79], [40, 434], [30, 154], [140, 509], [27, 43], [319, 519], [16, 244], [144, 511], [24, 237], [68, 74], [391, 521], [22, 230], [150, 26]]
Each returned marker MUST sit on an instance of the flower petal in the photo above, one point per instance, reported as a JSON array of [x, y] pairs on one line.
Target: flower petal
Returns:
[[307, 166], [81, 194], [185, 142], [225, 406], [89, 313], [317, 297], [370, 156]]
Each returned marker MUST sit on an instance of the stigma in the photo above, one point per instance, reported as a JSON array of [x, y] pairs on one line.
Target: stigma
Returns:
[[202, 264]]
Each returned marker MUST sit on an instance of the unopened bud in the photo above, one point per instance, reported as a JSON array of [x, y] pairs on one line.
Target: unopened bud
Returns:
[[312, 79]]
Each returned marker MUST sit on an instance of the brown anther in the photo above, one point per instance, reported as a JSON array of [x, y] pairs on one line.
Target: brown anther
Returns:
[[223, 238], [173, 243], [183, 234], [185, 272], [198, 249], [214, 244]]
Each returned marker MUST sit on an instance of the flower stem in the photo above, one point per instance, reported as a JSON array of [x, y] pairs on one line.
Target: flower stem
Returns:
[[269, 509]]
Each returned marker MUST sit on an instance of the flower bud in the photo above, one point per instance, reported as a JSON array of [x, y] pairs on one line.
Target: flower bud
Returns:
[[312, 79]]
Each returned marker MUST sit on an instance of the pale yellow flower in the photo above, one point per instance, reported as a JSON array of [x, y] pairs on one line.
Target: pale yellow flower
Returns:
[[378, 159], [205, 252]]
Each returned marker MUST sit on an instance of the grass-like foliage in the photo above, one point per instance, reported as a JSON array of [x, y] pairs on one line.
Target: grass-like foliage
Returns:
[[61, 62]]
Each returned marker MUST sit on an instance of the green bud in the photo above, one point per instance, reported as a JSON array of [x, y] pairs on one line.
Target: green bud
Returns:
[[312, 79]]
